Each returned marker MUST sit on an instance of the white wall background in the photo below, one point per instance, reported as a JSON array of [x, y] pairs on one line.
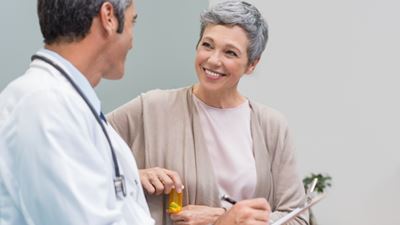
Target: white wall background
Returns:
[[332, 67]]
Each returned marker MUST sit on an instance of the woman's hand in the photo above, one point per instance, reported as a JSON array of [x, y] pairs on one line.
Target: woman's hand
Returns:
[[159, 180], [246, 212], [197, 215]]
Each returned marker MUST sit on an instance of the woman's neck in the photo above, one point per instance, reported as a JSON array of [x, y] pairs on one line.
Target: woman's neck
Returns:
[[217, 99]]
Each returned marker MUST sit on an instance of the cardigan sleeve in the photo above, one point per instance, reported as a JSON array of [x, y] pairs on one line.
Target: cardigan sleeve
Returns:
[[288, 190]]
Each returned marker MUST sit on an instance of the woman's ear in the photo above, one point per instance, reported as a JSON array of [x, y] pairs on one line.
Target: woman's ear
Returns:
[[108, 19], [252, 66]]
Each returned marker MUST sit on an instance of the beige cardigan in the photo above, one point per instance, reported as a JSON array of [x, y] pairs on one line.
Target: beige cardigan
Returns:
[[162, 128]]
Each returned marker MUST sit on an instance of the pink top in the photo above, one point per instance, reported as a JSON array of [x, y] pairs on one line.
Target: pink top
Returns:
[[228, 139]]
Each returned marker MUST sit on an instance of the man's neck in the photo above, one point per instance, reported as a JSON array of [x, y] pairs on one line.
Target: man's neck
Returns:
[[82, 57]]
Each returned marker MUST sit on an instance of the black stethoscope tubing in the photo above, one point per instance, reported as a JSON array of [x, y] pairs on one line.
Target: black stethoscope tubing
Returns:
[[119, 177]]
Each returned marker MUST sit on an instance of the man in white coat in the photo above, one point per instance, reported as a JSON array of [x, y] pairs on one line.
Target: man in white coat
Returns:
[[60, 162]]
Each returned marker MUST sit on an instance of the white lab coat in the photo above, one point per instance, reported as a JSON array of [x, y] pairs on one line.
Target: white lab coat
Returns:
[[55, 162]]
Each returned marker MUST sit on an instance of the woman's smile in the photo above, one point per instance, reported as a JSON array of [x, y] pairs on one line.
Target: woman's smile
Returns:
[[213, 75]]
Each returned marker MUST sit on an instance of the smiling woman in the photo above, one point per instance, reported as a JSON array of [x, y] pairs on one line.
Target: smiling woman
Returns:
[[180, 137]]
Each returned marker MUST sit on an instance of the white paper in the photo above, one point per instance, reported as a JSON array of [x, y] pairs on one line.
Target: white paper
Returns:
[[299, 210]]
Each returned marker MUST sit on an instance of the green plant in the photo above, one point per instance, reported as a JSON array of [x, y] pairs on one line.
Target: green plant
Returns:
[[323, 182]]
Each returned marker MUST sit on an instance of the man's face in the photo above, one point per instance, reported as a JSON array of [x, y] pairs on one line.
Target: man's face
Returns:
[[120, 44]]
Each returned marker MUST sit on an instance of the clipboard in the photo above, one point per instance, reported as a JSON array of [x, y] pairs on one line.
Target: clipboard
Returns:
[[299, 210]]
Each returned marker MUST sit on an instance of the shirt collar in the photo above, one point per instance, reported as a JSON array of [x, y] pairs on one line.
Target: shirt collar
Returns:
[[79, 79]]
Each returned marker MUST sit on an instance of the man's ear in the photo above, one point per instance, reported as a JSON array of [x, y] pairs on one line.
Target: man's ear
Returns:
[[107, 17], [252, 66]]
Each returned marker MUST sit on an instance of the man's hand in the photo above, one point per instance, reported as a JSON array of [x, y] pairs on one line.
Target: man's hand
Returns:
[[197, 215], [159, 180], [246, 212]]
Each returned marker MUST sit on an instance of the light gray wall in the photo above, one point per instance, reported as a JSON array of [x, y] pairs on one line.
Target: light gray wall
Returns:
[[332, 67], [20, 38], [165, 37], [163, 53]]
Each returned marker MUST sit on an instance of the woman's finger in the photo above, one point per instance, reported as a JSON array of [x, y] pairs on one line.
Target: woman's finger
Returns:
[[166, 181], [147, 185], [261, 215], [178, 217], [258, 203], [157, 184], [176, 179]]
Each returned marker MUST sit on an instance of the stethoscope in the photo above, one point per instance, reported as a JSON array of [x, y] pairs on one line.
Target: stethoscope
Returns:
[[119, 180]]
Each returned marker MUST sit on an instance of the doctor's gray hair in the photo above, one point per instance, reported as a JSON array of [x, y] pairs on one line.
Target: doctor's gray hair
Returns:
[[70, 20], [243, 14]]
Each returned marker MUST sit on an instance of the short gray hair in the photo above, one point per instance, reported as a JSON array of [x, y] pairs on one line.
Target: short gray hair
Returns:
[[241, 14], [70, 20]]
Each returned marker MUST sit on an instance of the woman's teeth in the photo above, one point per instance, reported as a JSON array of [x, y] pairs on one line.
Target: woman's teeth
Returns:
[[212, 74]]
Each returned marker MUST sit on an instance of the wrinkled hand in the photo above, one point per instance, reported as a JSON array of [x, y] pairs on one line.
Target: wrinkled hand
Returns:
[[197, 215], [159, 180], [246, 212]]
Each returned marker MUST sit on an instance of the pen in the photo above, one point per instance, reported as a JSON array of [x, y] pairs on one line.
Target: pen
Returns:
[[310, 191], [312, 186], [228, 199]]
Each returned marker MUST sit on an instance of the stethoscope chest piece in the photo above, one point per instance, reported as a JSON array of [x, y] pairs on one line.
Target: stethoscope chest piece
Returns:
[[120, 187]]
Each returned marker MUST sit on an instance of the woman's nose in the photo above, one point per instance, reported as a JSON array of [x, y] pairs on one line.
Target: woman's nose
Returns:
[[215, 59]]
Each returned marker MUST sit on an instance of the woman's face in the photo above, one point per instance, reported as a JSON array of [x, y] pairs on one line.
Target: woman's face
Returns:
[[221, 58]]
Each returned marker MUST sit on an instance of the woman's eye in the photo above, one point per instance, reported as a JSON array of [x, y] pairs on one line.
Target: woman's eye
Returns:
[[231, 53], [206, 45]]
